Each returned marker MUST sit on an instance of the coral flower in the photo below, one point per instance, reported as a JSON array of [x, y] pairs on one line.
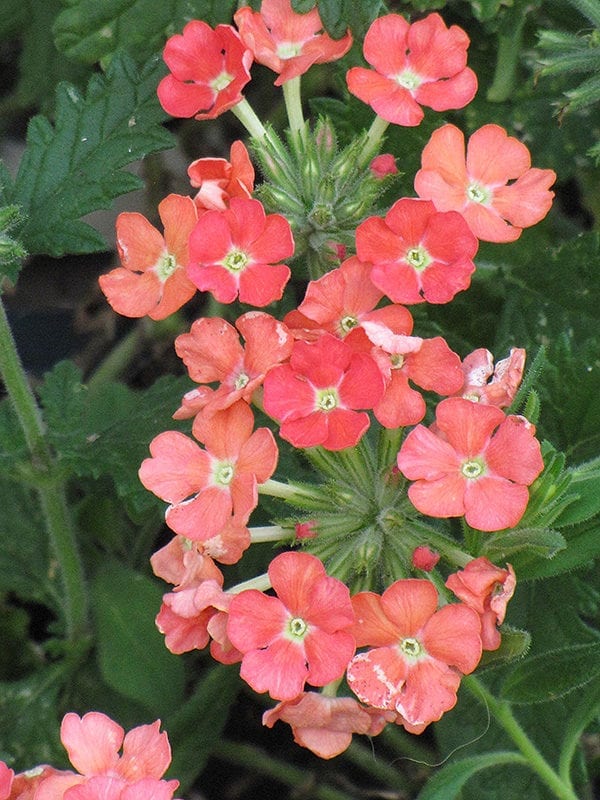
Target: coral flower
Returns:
[[6, 780], [325, 725], [485, 383], [486, 589], [287, 42], [232, 252], [315, 395], [495, 187], [218, 180], [419, 653], [418, 253], [93, 743], [212, 352], [152, 279], [478, 462], [301, 635], [206, 488], [423, 64], [209, 69]]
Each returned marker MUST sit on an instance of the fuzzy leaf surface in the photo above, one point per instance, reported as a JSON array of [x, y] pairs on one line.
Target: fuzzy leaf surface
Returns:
[[88, 31], [75, 166]]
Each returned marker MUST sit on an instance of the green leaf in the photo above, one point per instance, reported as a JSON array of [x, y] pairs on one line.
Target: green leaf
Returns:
[[107, 432], [132, 655], [551, 675], [196, 726], [585, 488], [76, 165], [88, 31], [529, 543], [339, 15], [29, 721], [583, 546], [448, 782]]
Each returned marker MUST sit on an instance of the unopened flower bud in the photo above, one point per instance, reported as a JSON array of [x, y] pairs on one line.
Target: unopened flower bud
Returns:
[[306, 530], [424, 558], [383, 165]]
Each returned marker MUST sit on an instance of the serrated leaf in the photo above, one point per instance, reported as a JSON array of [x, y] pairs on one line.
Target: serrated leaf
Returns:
[[196, 726], [76, 165], [448, 782], [107, 432], [89, 31], [551, 675], [132, 655]]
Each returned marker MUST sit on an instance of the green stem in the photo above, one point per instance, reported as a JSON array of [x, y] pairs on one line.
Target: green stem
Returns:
[[286, 491], [502, 714], [373, 140], [293, 106], [50, 489], [119, 357], [247, 116], [507, 59]]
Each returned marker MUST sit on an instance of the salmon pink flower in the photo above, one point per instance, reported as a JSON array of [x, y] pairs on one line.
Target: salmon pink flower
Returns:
[[206, 488], [477, 462], [300, 635], [485, 383], [209, 69], [218, 180], [383, 165], [152, 279], [93, 743], [232, 252], [495, 187], [286, 42], [423, 64], [6, 780], [418, 253], [428, 363], [315, 395], [419, 653], [212, 352], [325, 725], [486, 589]]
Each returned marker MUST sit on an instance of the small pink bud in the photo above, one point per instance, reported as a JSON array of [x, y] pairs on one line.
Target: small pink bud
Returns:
[[424, 558], [306, 530], [382, 165]]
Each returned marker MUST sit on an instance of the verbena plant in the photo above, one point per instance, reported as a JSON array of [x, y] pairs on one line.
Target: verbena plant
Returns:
[[367, 485]]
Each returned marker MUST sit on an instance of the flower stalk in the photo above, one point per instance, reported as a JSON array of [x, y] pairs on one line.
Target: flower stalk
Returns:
[[50, 488]]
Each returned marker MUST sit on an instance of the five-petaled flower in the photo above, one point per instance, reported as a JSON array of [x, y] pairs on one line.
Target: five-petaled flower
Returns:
[[212, 352], [152, 279], [209, 69], [301, 635], [233, 253], [207, 487], [418, 653], [494, 187], [93, 743], [316, 395], [423, 64], [475, 461], [418, 253], [287, 42]]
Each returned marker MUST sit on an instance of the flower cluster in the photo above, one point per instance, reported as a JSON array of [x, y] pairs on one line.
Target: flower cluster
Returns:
[[93, 743], [356, 613]]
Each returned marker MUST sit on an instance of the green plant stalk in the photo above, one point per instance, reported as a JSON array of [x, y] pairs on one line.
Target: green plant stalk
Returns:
[[50, 488], [509, 49], [373, 140], [293, 105], [502, 714]]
